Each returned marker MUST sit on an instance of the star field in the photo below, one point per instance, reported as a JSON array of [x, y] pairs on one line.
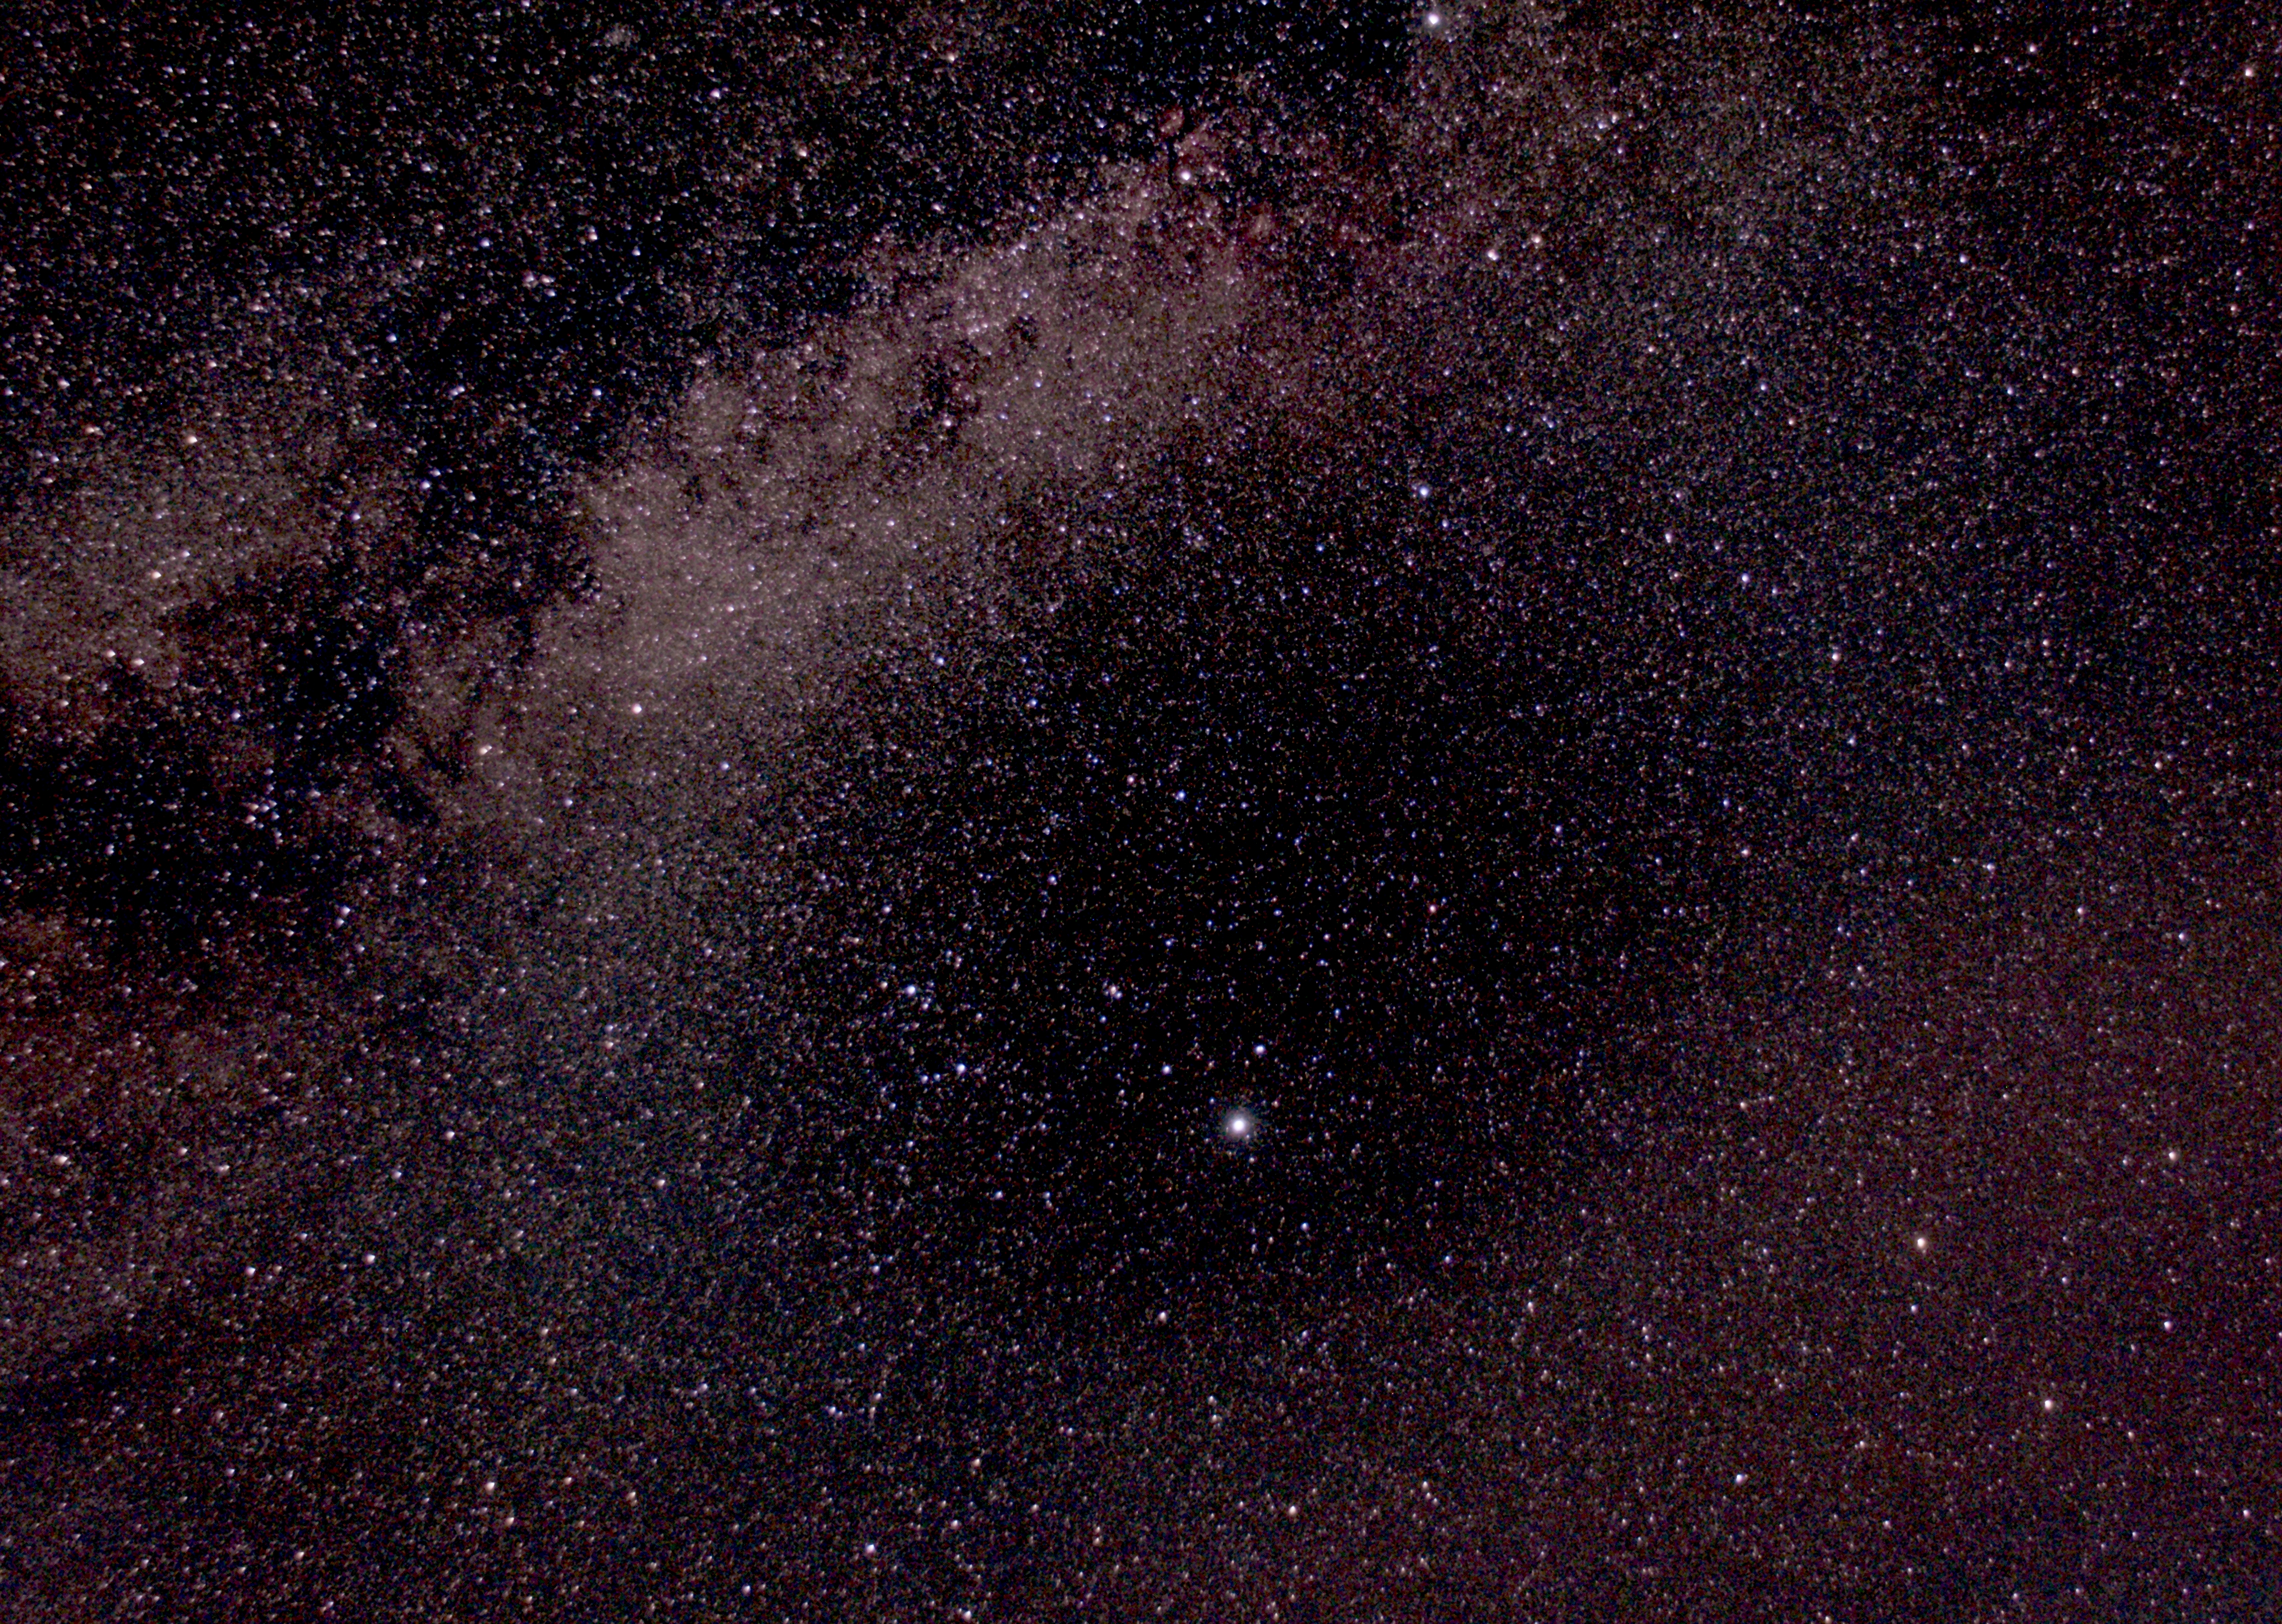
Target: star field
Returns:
[[1035, 813]]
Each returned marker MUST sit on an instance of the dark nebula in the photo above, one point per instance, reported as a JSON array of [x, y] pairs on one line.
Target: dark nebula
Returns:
[[1141, 811]]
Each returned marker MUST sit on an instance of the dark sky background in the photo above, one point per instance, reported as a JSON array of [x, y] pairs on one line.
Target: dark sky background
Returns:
[[1141, 811]]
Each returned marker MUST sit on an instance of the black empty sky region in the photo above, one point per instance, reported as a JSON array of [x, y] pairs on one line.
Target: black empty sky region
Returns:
[[1143, 811]]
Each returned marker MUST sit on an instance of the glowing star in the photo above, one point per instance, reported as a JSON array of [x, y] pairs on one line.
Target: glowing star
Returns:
[[1237, 1125]]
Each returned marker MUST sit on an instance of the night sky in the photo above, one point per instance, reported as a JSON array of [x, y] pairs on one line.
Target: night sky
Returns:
[[1141, 810]]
